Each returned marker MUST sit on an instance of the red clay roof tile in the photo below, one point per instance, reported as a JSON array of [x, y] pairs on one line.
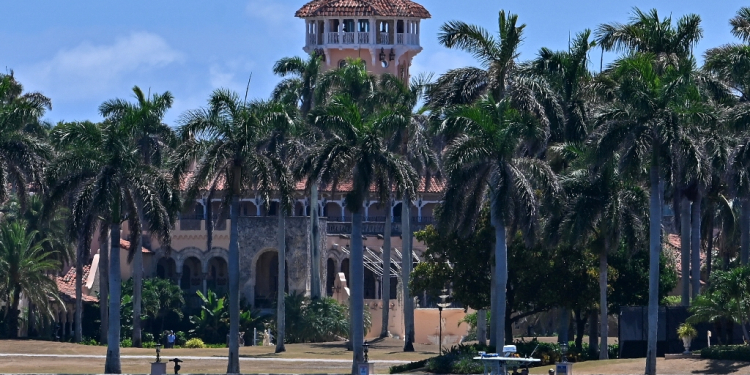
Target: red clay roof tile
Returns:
[[382, 8], [66, 285]]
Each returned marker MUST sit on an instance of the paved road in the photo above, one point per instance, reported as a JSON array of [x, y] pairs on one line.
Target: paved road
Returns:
[[249, 359]]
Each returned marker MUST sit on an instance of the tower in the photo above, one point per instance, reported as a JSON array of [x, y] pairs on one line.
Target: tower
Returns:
[[383, 33]]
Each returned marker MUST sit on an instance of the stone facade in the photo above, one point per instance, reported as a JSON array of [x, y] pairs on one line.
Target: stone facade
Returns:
[[258, 235]]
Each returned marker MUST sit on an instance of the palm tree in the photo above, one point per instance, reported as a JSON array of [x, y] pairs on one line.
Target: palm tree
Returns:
[[25, 265], [731, 64], [102, 171], [357, 151], [603, 210], [490, 158], [299, 90], [499, 76], [225, 140], [144, 121], [741, 24], [411, 139], [23, 154], [640, 124]]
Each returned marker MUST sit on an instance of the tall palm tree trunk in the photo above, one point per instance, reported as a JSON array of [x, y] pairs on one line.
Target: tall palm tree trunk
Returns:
[[79, 285], [653, 275], [315, 285], [710, 241], [356, 287], [386, 283], [685, 250], [233, 365], [112, 363], [209, 219], [103, 282], [695, 247], [280, 305], [493, 302], [745, 230], [482, 327], [500, 276], [603, 309], [593, 343], [406, 267], [137, 284]]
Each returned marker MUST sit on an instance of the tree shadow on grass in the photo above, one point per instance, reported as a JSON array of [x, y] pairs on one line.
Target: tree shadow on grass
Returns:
[[722, 367]]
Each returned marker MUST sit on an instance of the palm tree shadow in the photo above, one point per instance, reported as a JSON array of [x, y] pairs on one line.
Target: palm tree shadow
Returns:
[[721, 367]]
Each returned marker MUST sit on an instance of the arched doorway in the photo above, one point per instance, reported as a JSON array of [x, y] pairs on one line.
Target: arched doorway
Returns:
[[267, 279], [216, 279], [165, 268], [330, 276], [370, 290]]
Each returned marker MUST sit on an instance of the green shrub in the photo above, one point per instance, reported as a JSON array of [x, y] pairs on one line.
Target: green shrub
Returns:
[[317, 320], [195, 343], [89, 341], [147, 336], [148, 344], [407, 367], [126, 343], [180, 338], [730, 352]]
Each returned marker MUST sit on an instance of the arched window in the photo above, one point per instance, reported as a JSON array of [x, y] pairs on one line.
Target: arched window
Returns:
[[342, 63]]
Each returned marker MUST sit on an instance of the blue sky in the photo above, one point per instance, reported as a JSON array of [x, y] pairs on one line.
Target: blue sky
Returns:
[[81, 53]]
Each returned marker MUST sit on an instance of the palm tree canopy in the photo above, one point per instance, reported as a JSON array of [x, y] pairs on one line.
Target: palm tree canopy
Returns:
[[494, 156], [25, 266], [647, 33]]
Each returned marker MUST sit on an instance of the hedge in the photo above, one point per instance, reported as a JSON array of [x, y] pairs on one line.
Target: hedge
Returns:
[[731, 352]]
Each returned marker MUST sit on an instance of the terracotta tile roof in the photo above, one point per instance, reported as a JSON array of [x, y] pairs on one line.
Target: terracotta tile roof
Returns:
[[435, 186], [674, 252], [383, 8], [66, 285], [125, 245]]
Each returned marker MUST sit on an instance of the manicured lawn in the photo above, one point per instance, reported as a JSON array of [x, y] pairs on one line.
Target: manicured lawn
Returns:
[[389, 350]]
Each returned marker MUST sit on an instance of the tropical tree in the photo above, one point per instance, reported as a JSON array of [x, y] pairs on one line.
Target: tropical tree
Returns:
[[491, 159], [357, 151], [143, 119], [24, 268], [23, 154], [225, 140], [731, 64], [162, 297], [499, 76], [410, 138], [640, 125], [102, 174], [298, 89], [728, 297], [603, 210]]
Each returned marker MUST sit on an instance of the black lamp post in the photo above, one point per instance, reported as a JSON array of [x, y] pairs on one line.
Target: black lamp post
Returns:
[[442, 305], [366, 349], [564, 351], [158, 353]]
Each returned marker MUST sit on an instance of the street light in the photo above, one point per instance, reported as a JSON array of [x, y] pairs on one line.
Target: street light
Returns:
[[441, 305], [564, 351], [366, 349], [158, 352]]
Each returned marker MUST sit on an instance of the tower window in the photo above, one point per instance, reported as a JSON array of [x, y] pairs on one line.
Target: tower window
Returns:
[[364, 26], [349, 26]]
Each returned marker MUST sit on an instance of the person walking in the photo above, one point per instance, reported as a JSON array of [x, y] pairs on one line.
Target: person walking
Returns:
[[170, 339]]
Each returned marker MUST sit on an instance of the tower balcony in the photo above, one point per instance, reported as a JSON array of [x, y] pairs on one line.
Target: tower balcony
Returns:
[[361, 40]]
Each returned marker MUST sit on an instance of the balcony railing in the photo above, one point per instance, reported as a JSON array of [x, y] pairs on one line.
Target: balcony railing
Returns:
[[370, 228], [381, 38]]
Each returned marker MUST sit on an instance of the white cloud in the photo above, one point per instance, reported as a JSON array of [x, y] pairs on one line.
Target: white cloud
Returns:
[[88, 70]]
